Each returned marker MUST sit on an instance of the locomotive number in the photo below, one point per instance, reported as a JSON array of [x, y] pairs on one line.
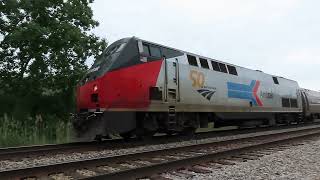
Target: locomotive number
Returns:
[[197, 79]]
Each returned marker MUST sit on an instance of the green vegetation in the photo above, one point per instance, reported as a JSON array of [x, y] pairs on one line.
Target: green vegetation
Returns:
[[44, 45], [33, 131]]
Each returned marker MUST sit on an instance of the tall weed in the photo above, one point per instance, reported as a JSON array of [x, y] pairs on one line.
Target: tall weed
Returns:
[[33, 130]]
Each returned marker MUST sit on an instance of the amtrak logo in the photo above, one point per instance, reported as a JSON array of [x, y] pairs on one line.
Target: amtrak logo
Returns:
[[198, 81], [206, 93], [247, 92]]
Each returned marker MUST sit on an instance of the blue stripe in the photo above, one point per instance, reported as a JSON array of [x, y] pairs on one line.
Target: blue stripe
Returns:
[[254, 101], [239, 95], [253, 83], [238, 87], [242, 91], [241, 87]]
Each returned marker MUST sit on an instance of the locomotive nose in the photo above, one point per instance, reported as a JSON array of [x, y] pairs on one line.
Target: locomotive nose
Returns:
[[88, 96]]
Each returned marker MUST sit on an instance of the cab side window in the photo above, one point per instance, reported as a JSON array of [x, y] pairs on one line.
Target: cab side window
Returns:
[[146, 49], [155, 52], [151, 51]]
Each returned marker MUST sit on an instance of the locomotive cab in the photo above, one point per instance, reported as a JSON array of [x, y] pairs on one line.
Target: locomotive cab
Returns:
[[121, 78], [90, 90], [116, 87]]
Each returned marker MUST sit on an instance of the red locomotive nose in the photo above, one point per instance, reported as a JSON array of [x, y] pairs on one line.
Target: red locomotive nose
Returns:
[[88, 96], [118, 79]]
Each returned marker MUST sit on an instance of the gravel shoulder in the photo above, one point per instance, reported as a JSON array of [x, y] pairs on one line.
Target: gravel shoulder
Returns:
[[297, 162]]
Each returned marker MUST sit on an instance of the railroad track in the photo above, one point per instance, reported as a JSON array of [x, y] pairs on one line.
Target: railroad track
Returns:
[[149, 164], [17, 153]]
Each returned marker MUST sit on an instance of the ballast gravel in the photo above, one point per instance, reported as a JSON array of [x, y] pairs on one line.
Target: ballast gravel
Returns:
[[297, 162], [69, 157]]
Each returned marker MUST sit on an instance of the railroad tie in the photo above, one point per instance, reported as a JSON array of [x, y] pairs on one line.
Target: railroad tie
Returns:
[[108, 169], [246, 157], [159, 177], [75, 175], [224, 162], [97, 170], [252, 154], [214, 165], [59, 176], [199, 169], [236, 159], [182, 174], [87, 172]]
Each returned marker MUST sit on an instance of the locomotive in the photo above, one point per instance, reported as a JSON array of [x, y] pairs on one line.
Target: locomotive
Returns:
[[139, 88]]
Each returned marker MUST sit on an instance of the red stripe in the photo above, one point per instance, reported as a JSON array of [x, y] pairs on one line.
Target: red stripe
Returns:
[[255, 91]]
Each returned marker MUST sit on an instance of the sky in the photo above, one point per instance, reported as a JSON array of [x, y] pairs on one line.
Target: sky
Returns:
[[280, 37]]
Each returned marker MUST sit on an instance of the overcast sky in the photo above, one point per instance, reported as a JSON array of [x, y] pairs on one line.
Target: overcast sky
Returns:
[[280, 37]]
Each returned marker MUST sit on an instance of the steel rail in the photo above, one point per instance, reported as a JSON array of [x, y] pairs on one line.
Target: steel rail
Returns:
[[40, 150], [70, 168]]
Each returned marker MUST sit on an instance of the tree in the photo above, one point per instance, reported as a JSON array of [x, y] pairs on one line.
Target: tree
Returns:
[[43, 48]]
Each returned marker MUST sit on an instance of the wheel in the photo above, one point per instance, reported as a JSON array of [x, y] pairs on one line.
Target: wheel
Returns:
[[126, 135], [189, 132], [169, 133], [98, 138], [149, 133]]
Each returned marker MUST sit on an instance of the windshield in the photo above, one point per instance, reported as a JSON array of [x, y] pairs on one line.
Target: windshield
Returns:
[[103, 63], [105, 58]]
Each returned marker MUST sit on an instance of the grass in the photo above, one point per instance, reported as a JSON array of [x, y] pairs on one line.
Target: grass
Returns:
[[33, 131]]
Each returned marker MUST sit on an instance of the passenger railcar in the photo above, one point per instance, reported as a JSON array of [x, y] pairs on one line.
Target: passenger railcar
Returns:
[[311, 101], [139, 88]]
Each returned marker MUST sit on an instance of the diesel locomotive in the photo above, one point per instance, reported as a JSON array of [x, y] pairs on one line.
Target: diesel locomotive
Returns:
[[138, 88]]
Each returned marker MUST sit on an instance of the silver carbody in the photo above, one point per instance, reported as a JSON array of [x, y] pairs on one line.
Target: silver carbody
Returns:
[[312, 100], [176, 75]]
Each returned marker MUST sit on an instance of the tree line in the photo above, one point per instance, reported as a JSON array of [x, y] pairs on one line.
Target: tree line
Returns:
[[44, 45]]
